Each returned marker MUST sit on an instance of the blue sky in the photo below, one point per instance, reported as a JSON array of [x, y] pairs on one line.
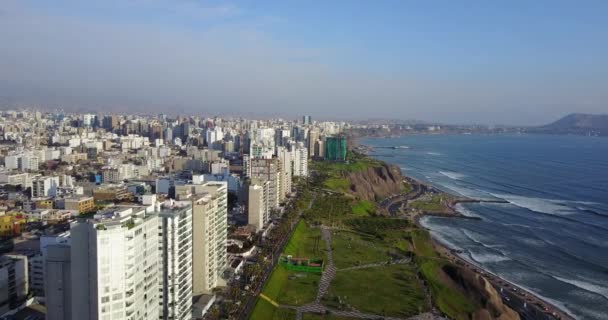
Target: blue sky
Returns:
[[498, 62]]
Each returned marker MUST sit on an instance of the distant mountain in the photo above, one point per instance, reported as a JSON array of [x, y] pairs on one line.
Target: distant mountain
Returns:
[[577, 123]]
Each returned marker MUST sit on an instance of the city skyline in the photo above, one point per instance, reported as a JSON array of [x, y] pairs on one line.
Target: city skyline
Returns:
[[517, 64]]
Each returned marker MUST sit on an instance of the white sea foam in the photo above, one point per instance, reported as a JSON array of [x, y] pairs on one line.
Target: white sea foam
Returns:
[[464, 211], [463, 191], [587, 286], [453, 175], [548, 206], [488, 257], [532, 242], [434, 153]]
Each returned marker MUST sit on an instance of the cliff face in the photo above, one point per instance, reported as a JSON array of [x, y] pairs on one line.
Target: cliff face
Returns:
[[478, 288], [376, 183]]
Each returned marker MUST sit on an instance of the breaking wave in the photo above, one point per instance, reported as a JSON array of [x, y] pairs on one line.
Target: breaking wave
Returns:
[[453, 175], [591, 287]]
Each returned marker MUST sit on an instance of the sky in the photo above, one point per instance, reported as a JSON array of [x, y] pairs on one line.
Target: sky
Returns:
[[492, 62]]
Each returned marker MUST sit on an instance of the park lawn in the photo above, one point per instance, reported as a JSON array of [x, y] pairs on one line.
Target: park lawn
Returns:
[[354, 164], [329, 210], [305, 242], [432, 205], [388, 290], [447, 299], [291, 287], [329, 316], [363, 208], [351, 249], [263, 310], [337, 184]]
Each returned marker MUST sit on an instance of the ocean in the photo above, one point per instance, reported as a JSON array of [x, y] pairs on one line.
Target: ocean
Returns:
[[552, 236]]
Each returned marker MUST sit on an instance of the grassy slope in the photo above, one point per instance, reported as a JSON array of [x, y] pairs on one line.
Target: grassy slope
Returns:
[[351, 249], [447, 299], [364, 208], [387, 284], [290, 287], [305, 242]]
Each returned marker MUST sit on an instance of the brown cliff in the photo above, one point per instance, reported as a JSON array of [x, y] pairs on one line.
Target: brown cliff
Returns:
[[480, 290], [376, 182]]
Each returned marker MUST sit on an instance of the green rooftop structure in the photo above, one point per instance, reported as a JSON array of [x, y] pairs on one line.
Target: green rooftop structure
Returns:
[[335, 148]]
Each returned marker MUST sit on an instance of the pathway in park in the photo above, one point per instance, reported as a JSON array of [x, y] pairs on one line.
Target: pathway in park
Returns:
[[327, 277], [378, 264]]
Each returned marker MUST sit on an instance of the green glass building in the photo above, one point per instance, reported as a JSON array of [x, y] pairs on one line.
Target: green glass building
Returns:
[[335, 148]]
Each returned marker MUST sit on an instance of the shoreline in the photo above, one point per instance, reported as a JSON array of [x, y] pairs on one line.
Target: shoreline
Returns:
[[496, 280], [509, 288]]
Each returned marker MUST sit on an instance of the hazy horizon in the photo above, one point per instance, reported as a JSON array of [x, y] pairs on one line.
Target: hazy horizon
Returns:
[[517, 63]]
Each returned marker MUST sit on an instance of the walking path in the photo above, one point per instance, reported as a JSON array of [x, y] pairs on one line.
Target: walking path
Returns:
[[378, 264], [265, 297], [327, 277]]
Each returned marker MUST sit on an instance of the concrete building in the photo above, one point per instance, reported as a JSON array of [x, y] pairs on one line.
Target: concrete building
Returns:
[[15, 179], [268, 170], [285, 161], [176, 260], [258, 212], [115, 262], [13, 281], [210, 236], [300, 161], [81, 204], [57, 282], [44, 187]]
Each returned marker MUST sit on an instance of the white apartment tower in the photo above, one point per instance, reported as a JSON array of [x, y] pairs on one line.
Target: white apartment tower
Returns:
[[258, 212], [285, 159], [300, 161], [210, 236], [44, 186], [116, 265], [176, 260]]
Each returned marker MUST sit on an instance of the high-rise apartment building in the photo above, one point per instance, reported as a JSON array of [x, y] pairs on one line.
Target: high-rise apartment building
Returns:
[[209, 236], [300, 160], [267, 170], [258, 212], [116, 265], [306, 120], [313, 136], [176, 260]]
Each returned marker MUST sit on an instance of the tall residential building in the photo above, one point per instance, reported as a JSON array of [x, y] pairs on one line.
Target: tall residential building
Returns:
[[313, 136], [306, 120], [88, 120], [13, 281], [267, 170], [57, 282], [319, 149], [115, 262], [285, 160], [209, 236], [176, 260], [300, 160], [258, 212]]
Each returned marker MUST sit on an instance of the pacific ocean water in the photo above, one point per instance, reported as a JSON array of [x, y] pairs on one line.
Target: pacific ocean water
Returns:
[[552, 236]]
